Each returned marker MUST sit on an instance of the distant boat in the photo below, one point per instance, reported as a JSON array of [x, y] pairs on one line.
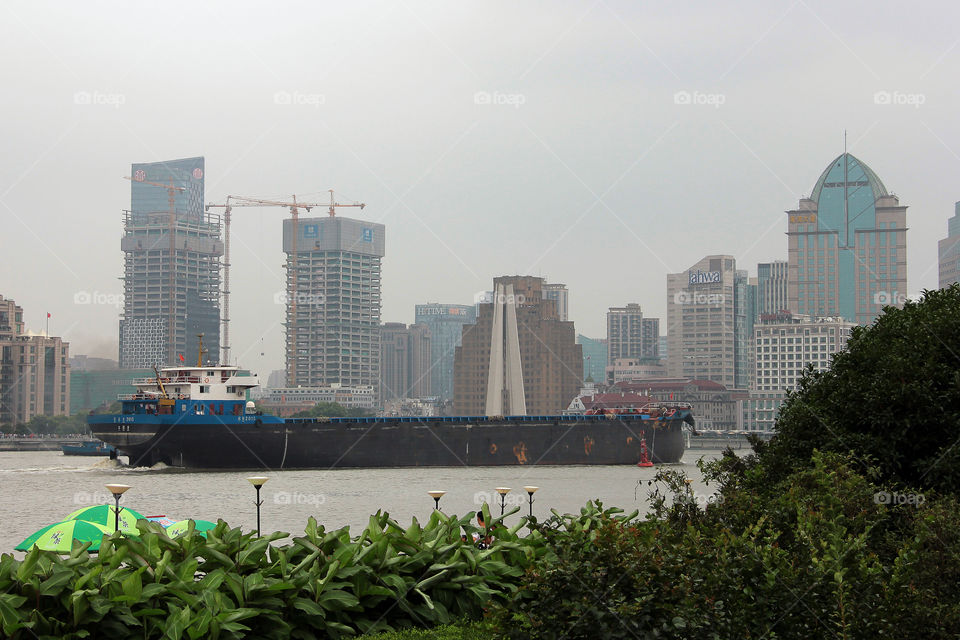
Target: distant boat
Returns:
[[88, 448]]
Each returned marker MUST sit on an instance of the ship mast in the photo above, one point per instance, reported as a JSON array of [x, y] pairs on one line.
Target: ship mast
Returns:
[[200, 350]]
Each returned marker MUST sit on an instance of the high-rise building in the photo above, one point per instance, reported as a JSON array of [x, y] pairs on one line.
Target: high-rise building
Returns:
[[519, 358], [847, 245], [446, 323], [772, 289], [630, 335], [34, 370], [949, 251], [11, 319], [171, 278], [405, 359], [333, 302], [559, 294], [650, 332], [708, 328], [594, 358], [784, 344], [744, 302]]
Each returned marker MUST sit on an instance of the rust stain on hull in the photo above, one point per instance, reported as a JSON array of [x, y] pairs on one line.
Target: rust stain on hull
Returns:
[[588, 443], [520, 451]]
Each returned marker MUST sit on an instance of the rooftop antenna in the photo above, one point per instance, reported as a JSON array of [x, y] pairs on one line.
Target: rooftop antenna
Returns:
[[846, 208]]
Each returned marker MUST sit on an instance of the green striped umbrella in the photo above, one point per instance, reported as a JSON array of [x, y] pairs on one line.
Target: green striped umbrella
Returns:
[[178, 529], [104, 514], [59, 537]]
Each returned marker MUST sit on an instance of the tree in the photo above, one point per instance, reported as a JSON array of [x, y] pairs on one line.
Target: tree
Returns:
[[892, 396]]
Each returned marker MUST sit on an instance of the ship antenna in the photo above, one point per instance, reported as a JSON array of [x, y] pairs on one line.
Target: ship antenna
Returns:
[[200, 350]]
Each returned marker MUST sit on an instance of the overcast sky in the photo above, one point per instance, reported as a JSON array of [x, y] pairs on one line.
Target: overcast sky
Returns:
[[542, 138]]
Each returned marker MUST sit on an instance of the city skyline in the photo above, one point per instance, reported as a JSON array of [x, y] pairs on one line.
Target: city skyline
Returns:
[[484, 148]]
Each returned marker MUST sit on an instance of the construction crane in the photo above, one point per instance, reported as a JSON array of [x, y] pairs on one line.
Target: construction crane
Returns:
[[294, 206], [172, 192]]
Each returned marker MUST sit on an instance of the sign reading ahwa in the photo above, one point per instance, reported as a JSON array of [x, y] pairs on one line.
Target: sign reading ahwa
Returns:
[[704, 277]]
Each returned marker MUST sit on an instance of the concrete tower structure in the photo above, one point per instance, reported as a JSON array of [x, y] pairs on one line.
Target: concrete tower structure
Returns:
[[519, 357], [333, 310], [847, 245], [168, 299]]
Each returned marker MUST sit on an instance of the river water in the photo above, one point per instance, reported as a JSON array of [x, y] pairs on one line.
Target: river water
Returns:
[[42, 487]]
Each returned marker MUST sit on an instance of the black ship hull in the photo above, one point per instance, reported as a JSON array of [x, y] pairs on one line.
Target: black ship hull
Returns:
[[424, 442]]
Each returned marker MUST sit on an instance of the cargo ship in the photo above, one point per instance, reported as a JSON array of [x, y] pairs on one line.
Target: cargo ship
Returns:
[[200, 418]]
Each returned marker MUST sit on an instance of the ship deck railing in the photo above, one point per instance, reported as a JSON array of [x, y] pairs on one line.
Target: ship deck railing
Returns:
[[137, 396], [469, 419]]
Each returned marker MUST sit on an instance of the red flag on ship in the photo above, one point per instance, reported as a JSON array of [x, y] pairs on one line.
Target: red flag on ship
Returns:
[[48, 314], [181, 356]]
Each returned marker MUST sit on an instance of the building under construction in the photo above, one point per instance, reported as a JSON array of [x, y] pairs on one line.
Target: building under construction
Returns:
[[333, 301], [172, 250]]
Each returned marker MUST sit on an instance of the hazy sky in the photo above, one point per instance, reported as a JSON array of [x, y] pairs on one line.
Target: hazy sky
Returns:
[[542, 138]]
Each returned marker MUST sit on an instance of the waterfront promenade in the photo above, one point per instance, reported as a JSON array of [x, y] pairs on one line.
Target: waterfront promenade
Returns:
[[45, 442]]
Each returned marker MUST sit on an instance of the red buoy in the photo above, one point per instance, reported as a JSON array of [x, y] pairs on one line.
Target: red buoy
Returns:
[[644, 460]]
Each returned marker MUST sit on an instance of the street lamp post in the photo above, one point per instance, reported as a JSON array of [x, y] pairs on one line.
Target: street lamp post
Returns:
[[117, 490], [530, 491], [503, 491], [257, 482], [436, 494]]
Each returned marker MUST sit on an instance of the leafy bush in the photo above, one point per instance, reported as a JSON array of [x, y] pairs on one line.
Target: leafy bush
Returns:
[[231, 584], [892, 396], [814, 562]]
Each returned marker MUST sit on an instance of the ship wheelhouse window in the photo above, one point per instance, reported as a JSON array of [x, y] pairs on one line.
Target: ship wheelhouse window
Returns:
[[204, 388]]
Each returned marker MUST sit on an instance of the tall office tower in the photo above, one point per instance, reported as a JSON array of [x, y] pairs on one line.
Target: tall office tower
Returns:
[[949, 250], [744, 301], [847, 245], [594, 358], [560, 294], [772, 287], [650, 338], [702, 322], [446, 323], [405, 361], [34, 370], [333, 302], [171, 276], [625, 332], [519, 357]]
